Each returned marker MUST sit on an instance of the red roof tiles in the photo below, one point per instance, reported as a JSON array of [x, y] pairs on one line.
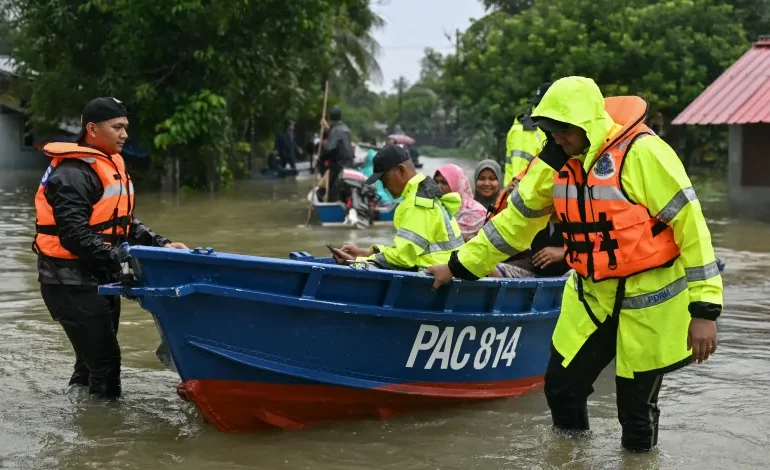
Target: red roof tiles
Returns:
[[741, 95]]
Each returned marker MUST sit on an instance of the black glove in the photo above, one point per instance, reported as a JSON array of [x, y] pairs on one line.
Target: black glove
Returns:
[[552, 154]]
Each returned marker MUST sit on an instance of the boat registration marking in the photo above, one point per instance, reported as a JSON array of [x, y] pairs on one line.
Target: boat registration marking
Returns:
[[491, 350]]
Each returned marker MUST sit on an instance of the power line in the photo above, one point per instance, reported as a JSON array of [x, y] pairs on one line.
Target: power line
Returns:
[[448, 46]]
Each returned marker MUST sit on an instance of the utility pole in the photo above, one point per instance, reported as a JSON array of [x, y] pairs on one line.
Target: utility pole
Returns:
[[400, 85], [457, 54]]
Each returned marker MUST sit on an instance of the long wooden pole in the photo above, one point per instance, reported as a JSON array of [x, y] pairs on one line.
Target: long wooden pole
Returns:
[[317, 156], [321, 136]]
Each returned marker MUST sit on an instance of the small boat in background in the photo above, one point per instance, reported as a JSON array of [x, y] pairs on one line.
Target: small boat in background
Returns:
[[359, 206], [335, 214], [263, 343], [275, 173]]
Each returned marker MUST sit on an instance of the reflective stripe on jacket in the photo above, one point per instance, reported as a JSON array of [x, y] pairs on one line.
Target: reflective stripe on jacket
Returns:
[[653, 305], [111, 215], [502, 199], [521, 147], [426, 231]]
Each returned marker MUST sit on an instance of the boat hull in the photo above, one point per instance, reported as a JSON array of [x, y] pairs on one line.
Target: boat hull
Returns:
[[240, 406], [333, 214], [264, 343]]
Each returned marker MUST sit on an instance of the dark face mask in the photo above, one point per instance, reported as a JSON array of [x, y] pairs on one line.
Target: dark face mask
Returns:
[[552, 154]]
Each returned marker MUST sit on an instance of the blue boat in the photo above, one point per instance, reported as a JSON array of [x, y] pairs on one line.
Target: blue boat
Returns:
[[271, 343], [275, 173], [333, 214]]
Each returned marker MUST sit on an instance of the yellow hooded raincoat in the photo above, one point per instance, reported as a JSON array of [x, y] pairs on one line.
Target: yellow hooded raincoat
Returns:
[[426, 231], [521, 146], [654, 318]]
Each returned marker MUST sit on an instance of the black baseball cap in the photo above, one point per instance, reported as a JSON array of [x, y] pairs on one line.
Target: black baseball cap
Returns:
[[389, 157], [100, 110]]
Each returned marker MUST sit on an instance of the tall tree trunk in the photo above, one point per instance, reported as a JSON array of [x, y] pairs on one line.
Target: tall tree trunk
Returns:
[[253, 143], [169, 181], [176, 175]]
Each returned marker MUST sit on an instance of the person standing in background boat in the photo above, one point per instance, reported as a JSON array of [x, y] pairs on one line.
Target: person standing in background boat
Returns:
[[426, 231], [487, 180], [337, 150], [85, 210], [646, 289], [524, 141]]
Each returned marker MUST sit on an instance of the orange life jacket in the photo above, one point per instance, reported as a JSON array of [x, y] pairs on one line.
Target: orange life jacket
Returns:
[[502, 199], [111, 215], [608, 236]]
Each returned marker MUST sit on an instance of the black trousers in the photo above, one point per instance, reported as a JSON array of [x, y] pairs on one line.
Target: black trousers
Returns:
[[334, 183], [289, 159], [91, 324], [567, 390]]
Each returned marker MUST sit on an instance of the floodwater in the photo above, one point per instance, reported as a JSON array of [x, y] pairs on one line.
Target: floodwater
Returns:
[[715, 415]]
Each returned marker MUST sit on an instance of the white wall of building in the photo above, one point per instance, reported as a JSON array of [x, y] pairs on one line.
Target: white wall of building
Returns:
[[14, 154]]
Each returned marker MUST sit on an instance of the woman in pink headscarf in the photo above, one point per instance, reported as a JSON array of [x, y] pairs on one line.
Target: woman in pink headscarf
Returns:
[[451, 178]]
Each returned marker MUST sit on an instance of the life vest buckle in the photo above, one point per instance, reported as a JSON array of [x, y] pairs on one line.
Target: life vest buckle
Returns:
[[598, 239]]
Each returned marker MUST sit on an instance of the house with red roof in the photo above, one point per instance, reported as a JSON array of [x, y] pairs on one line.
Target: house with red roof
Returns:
[[740, 99]]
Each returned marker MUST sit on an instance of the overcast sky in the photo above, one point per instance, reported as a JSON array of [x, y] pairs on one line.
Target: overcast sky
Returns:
[[413, 25]]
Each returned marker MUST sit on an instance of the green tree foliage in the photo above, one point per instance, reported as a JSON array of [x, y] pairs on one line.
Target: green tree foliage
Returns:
[[420, 109], [258, 59], [355, 49], [667, 52], [202, 123], [363, 109], [754, 15], [510, 7]]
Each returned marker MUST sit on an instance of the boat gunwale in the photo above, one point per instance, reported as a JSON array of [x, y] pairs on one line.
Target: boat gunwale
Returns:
[[311, 303], [240, 260]]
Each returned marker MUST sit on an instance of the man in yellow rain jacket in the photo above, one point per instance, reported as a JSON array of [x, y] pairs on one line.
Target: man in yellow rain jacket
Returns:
[[524, 140], [646, 290], [426, 231]]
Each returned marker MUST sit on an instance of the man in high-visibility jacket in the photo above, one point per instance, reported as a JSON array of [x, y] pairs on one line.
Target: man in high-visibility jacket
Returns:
[[646, 288], [85, 206], [426, 231], [524, 139]]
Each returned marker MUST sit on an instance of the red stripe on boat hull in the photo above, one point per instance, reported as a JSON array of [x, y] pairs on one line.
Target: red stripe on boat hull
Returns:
[[238, 406]]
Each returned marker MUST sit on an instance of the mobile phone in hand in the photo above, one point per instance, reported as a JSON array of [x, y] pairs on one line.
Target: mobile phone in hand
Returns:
[[336, 253]]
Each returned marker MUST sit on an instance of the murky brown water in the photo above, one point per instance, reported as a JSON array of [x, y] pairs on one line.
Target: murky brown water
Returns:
[[713, 416]]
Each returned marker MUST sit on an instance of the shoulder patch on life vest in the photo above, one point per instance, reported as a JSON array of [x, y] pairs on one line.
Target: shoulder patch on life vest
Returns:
[[46, 175], [604, 167]]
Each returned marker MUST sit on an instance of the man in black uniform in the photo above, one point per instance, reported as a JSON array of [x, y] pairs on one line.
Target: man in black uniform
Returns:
[[286, 146], [84, 212], [338, 150]]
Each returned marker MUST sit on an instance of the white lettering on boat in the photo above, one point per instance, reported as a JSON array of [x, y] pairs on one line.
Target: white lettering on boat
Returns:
[[446, 349]]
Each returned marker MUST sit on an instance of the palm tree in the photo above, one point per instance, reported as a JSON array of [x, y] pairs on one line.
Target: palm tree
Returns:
[[355, 49]]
